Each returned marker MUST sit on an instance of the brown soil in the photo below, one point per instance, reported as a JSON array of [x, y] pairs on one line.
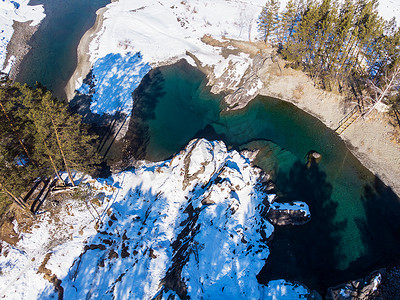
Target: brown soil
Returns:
[[370, 140]]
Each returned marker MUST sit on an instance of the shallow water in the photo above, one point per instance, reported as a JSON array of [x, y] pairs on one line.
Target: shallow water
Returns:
[[350, 207], [53, 58]]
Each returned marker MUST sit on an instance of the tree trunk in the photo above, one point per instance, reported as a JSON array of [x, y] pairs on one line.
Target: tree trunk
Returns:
[[62, 153], [388, 87], [14, 198], [52, 162]]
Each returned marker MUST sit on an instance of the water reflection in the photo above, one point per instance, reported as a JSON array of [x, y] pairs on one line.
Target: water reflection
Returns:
[[307, 253]]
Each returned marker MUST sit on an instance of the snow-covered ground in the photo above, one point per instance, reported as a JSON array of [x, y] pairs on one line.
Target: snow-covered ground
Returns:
[[165, 31], [10, 11], [190, 226], [115, 77]]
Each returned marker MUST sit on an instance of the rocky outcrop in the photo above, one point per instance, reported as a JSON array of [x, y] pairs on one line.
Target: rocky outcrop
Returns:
[[192, 225], [359, 289], [313, 157], [380, 284], [189, 227], [248, 87], [282, 214]]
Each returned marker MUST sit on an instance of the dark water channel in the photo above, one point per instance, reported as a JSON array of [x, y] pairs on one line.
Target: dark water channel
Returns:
[[53, 58], [354, 227]]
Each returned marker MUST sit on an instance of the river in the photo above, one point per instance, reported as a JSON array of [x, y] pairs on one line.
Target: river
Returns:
[[53, 58]]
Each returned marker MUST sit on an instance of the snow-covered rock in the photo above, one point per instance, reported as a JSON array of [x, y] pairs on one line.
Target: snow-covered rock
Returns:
[[191, 227], [10, 11], [294, 213]]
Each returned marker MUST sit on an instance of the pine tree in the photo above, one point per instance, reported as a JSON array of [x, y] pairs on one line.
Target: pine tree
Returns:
[[342, 36], [288, 20], [268, 19], [39, 137], [301, 49], [62, 136]]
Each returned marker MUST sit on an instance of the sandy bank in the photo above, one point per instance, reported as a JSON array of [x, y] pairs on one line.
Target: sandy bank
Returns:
[[370, 139], [84, 65]]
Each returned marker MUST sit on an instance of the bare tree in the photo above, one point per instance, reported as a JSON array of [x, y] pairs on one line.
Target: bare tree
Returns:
[[390, 84]]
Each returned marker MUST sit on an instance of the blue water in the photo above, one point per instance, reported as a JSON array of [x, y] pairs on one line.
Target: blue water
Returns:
[[53, 58], [350, 207], [354, 227]]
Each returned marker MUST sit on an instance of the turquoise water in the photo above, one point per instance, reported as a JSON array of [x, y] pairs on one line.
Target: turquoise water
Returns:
[[53, 59], [343, 239]]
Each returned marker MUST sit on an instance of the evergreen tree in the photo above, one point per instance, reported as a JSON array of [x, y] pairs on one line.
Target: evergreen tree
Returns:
[[39, 137], [268, 19], [288, 19], [342, 36], [62, 137]]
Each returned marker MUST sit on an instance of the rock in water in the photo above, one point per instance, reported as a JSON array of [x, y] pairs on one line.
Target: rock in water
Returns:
[[295, 213], [360, 289]]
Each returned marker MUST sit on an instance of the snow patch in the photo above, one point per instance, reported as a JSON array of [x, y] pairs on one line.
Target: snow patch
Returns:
[[284, 290]]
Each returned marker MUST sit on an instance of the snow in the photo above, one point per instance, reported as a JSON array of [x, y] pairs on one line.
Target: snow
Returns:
[[377, 281], [63, 237], [389, 9], [284, 290], [17, 10], [296, 205], [163, 32], [115, 77], [198, 215], [386, 8]]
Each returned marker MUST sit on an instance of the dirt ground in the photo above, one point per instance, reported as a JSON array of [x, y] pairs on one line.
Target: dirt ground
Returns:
[[370, 139]]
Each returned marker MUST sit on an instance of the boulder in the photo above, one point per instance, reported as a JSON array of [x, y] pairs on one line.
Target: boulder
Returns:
[[360, 289], [294, 213]]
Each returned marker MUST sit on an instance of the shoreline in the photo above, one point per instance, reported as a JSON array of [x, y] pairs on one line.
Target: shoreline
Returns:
[[369, 140], [84, 65], [18, 46], [372, 147]]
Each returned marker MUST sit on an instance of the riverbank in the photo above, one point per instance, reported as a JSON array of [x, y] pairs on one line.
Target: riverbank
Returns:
[[242, 69], [18, 22], [18, 46], [84, 65], [371, 139]]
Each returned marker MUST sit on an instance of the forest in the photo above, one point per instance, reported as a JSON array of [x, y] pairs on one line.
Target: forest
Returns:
[[39, 139], [345, 47]]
